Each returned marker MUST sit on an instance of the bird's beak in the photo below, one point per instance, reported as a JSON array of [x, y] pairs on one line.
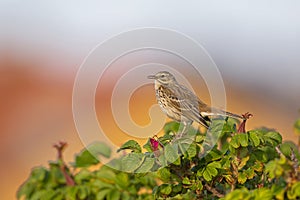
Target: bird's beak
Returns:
[[151, 77]]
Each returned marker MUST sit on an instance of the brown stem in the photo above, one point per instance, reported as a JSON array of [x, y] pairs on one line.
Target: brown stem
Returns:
[[63, 167], [242, 126], [214, 191]]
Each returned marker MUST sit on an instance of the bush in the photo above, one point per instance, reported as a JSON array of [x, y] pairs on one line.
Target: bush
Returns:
[[241, 165]]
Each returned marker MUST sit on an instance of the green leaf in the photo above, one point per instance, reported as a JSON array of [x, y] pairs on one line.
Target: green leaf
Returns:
[[106, 175], [71, 193], [238, 194], [125, 196], [132, 161], [99, 184], [212, 171], [214, 165], [132, 145], [243, 162], [82, 176], [102, 194], [297, 126], [38, 174], [254, 138], [146, 165], [88, 156], [164, 174], [192, 150], [85, 159], [275, 137], [122, 180], [100, 148], [186, 181], [243, 139], [114, 195], [263, 193], [249, 173], [165, 189], [294, 192], [242, 178], [171, 153], [235, 142], [207, 176], [171, 127], [82, 192]]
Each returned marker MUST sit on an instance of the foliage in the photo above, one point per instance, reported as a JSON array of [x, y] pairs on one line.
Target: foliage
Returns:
[[248, 165]]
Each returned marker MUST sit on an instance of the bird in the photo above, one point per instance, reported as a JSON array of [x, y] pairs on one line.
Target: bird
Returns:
[[181, 104]]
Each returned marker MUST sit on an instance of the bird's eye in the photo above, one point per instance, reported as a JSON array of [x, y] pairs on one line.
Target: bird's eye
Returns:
[[163, 76]]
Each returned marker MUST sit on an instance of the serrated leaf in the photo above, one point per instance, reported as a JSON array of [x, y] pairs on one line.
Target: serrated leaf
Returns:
[[254, 138], [243, 162], [235, 142], [186, 181], [100, 148], [192, 150], [214, 165], [132, 145], [146, 165], [165, 189], [206, 175], [164, 174], [275, 136], [258, 166], [249, 173], [213, 171], [85, 159], [242, 178], [171, 153], [243, 139], [132, 161]]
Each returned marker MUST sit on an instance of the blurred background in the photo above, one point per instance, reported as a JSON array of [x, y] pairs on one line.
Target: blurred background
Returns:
[[256, 46]]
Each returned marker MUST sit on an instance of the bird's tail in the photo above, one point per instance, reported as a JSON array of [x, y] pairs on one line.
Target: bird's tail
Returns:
[[219, 112]]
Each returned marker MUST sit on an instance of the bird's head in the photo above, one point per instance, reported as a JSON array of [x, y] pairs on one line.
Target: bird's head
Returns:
[[163, 77]]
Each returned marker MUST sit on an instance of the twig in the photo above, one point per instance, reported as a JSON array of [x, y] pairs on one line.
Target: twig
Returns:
[[295, 163], [214, 191], [63, 167], [278, 151]]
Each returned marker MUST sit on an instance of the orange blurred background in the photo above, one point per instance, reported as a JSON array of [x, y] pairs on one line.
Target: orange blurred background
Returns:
[[38, 70]]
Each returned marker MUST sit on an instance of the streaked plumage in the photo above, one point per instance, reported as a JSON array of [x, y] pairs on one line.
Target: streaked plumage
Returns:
[[182, 105]]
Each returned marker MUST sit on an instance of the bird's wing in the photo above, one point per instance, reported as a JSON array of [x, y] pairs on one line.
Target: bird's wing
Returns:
[[204, 110], [185, 101]]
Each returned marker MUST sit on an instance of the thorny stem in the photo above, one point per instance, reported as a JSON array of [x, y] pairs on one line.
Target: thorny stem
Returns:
[[63, 167]]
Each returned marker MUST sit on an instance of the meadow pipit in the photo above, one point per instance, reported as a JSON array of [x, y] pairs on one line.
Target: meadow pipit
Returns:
[[181, 104]]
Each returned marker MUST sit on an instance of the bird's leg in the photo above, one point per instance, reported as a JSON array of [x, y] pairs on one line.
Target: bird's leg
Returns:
[[184, 130]]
